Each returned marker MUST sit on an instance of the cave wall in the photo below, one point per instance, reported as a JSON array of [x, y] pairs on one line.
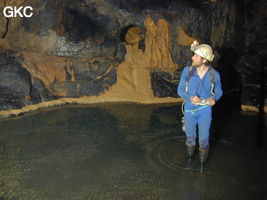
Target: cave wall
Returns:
[[116, 50]]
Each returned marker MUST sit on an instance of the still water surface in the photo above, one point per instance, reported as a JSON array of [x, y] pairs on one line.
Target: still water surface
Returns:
[[127, 152]]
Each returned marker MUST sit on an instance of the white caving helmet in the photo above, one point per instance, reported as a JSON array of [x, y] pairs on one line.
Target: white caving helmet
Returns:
[[202, 50]]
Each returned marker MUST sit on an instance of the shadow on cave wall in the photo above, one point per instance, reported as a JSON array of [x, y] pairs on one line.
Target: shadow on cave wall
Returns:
[[226, 66], [80, 27]]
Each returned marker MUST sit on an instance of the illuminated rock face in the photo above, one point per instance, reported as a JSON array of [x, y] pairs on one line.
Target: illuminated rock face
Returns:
[[110, 50]]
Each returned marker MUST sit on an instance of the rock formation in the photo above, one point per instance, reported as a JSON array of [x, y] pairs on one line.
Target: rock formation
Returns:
[[90, 51]]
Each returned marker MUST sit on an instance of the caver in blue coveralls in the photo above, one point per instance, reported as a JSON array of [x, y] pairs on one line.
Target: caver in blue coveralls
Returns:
[[200, 115]]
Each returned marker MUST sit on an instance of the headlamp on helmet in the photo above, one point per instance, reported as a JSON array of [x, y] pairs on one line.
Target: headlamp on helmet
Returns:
[[203, 50]]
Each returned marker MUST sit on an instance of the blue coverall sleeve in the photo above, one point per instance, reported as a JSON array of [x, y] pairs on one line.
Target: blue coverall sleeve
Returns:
[[182, 84], [218, 92]]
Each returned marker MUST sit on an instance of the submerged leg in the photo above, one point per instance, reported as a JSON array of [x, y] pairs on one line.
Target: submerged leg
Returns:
[[204, 122], [190, 130]]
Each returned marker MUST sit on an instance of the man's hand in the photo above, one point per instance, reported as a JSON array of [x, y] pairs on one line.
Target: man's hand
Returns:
[[211, 101], [195, 100]]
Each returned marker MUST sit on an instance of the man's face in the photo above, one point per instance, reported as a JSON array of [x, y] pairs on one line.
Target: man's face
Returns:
[[197, 61]]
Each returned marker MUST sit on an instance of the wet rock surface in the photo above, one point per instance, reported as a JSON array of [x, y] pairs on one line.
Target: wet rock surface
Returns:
[[249, 66], [164, 84], [15, 84]]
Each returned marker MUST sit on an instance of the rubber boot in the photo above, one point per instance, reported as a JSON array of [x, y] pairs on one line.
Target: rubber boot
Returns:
[[203, 155], [190, 151]]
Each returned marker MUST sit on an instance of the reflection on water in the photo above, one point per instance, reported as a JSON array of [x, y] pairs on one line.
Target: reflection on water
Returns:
[[126, 152]]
